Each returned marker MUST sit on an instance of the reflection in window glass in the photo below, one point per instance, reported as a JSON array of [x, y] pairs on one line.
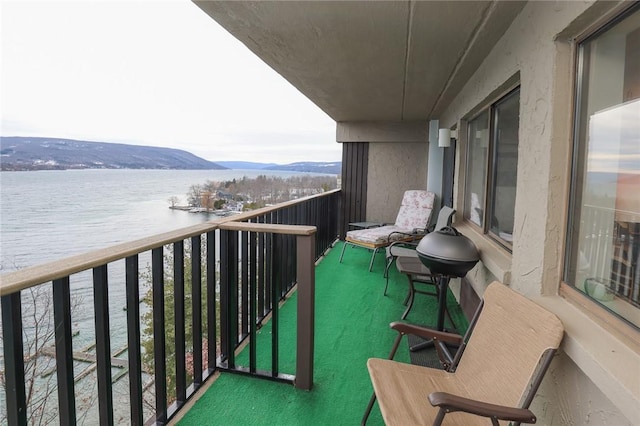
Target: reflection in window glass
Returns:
[[604, 237], [505, 166], [476, 175]]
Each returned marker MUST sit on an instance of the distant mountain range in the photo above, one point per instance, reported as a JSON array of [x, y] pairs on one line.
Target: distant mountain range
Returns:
[[25, 153], [36, 153]]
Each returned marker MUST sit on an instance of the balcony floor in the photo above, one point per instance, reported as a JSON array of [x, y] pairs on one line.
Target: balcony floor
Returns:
[[352, 325]]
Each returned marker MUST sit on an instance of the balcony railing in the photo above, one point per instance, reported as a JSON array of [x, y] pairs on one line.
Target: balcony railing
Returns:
[[226, 279]]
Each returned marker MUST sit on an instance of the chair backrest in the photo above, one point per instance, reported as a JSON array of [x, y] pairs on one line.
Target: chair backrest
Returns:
[[509, 340], [415, 210], [444, 217]]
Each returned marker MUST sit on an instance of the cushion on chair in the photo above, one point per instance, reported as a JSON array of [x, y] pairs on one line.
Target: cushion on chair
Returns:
[[414, 215], [415, 210], [382, 235]]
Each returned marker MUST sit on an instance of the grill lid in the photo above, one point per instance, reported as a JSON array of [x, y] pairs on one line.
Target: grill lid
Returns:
[[449, 245]]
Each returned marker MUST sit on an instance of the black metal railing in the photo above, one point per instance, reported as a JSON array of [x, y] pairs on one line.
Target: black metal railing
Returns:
[[194, 298], [611, 250]]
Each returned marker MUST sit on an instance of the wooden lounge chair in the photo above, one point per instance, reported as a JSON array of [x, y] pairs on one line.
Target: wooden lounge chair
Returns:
[[411, 223], [494, 375]]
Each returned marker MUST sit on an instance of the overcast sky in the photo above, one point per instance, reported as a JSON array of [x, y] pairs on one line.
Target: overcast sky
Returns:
[[159, 73]]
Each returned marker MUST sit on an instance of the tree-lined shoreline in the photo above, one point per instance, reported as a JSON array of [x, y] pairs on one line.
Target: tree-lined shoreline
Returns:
[[244, 194]]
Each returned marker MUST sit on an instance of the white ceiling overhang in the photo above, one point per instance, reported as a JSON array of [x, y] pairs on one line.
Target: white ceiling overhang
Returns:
[[378, 61]]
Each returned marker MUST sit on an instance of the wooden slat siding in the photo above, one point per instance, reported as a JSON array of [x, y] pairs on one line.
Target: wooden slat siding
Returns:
[[355, 163]]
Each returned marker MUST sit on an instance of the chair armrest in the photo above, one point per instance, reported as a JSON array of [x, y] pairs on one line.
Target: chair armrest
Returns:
[[426, 333], [401, 233], [400, 244], [413, 235], [450, 403], [404, 244]]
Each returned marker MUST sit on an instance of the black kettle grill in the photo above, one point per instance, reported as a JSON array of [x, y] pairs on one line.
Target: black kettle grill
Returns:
[[448, 253]]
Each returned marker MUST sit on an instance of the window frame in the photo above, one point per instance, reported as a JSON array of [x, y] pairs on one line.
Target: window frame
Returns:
[[576, 175], [490, 166]]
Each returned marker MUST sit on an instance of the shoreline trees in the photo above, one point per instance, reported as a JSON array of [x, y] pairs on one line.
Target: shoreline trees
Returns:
[[252, 193]]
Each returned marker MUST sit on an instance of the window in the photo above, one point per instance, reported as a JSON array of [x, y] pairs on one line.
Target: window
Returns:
[[492, 167], [604, 215]]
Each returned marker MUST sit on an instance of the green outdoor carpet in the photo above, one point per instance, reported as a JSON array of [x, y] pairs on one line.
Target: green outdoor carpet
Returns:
[[352, 325]]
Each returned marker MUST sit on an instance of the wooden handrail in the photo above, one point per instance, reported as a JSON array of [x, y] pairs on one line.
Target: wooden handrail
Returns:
[[38, 274], [272, 228]]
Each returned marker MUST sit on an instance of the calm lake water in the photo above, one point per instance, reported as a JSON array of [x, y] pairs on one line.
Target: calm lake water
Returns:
[[47, 215]]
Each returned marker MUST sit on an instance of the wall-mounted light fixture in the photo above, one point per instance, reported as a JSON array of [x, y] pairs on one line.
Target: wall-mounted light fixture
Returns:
[[444, 137]]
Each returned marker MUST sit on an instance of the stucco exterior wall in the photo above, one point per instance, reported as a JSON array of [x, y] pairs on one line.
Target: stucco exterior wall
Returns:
[[407, 163], [529, 52], [568, 397]]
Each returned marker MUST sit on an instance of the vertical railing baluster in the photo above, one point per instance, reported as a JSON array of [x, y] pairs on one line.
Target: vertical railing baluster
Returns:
[[133, 339], [212, 335], [319, 208], [229, 295], [179, 321], [323, 226], [159, 349], [268, 274], [275, 316], [196, 308], [224, 295], [291, 250], [13, 359], [253, 297], [288, 255], [64, 351], [282, 255], [261, 272], [244, 292], [103, 344]]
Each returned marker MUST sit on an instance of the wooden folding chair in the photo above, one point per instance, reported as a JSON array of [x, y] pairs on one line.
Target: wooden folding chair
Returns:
[[494, 375]]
